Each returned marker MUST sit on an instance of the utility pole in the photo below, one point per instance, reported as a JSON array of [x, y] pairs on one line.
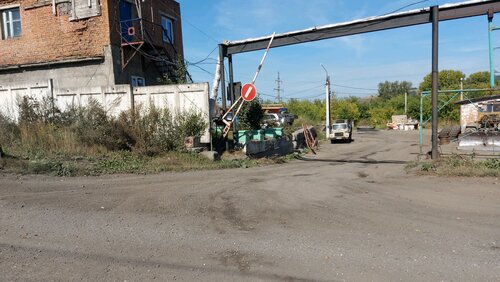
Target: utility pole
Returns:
[[491, 28], [327, 89], [406, 102], [278, 88], [461, 89]]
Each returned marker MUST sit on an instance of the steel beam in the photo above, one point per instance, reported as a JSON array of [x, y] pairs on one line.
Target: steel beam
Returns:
[[410, 18]]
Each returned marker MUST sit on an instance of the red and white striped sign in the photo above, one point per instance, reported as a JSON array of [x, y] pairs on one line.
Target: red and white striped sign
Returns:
[[248, 92]]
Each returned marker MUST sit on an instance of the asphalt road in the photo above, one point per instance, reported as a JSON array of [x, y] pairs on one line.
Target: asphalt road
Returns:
[[351, 213]]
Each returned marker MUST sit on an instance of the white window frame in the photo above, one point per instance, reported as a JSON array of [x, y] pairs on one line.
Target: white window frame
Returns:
[[165, 22], [134, 81], [6, 16]]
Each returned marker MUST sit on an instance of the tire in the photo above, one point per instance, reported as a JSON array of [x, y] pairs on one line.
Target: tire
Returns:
[[454, 132], [445, 132], [469, 130]]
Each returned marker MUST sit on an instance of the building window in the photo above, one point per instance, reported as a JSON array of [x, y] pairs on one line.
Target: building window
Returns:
[[11, 23], [138, 81], [167, 29]]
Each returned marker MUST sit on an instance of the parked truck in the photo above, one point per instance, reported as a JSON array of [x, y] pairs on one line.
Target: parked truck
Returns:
[[341, 130]]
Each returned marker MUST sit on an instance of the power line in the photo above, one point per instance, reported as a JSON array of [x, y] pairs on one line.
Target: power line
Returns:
[[304, 90], [351, 87], [406, 6], [206, 58]]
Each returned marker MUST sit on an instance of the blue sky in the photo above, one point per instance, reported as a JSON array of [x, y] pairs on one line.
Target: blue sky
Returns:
[[360, 61]]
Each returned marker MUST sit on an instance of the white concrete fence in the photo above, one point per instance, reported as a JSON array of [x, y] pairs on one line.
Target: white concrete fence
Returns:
[[115, 99]]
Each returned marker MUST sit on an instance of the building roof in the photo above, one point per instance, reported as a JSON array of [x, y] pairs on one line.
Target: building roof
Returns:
[[477, 100]]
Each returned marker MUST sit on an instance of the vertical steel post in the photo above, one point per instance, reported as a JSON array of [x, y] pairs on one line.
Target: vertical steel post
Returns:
[[435, 80], [231, 88], [421, 124], [222, 52], [327, 106], [490, 42]]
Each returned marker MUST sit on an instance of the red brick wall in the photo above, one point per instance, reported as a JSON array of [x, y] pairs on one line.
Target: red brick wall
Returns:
[[49, 38], [152, 22]]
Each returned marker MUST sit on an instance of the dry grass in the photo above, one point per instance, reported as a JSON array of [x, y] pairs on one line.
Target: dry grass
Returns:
[[457, 165]]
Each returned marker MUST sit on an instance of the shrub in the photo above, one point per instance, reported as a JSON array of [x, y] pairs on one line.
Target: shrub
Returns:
[[492, 163], [93, 127], [251, 115], [9, 132], [153, 131]]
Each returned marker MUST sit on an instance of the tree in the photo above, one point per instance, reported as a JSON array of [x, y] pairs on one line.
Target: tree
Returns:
[[380, 116], [448, 80], [389, 89], [177, 72], [345, 109], [478, 80], [309, 111], [251, 115]]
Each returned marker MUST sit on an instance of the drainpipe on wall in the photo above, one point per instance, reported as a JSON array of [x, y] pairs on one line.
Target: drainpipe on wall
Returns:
[[73, 7], [54, 7]]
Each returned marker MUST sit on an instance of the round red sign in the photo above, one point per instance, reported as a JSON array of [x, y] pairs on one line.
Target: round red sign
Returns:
[[248, 92]]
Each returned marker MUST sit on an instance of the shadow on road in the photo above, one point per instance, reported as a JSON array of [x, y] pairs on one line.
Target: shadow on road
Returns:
[[368, 161]]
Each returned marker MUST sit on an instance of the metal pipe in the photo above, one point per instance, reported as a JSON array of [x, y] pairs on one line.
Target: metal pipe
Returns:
[[421, 124], [54, 11], [231, 87], [461, 90], [216, 81], [435, 80], [263, 58], [73, 7], [222, 80], [490, 42]]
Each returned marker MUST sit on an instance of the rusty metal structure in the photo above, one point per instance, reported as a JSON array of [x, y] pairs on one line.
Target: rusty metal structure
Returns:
[[430, 15]]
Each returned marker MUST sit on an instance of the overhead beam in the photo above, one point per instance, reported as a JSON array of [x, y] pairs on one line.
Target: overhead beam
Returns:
[[391, 21]]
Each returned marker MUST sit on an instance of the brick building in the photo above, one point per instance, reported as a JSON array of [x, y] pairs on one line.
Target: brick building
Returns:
[[89, 42]]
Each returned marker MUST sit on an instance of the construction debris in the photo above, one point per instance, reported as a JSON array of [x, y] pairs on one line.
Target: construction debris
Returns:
[[402, 122]]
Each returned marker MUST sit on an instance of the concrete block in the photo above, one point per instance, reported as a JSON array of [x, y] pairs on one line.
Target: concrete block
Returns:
[[211, 155], [268, 148]]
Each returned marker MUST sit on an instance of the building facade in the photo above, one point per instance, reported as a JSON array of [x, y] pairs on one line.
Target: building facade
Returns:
[[89, 42]]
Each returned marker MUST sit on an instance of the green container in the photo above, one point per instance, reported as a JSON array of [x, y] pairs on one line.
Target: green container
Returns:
[[270, 133], [274, 132], [258, 135], [243, 136], [279, 131]]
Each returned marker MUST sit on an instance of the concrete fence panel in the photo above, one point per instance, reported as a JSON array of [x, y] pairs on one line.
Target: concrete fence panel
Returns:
[[115, 99]]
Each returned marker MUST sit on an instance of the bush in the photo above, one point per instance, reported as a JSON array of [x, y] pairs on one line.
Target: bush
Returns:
[[43, 129], [492, 163], [93, 127], [9, 132], [153, 131], [251, 115]]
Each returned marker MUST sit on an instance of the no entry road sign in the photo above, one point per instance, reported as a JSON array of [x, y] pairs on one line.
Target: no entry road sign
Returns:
[[248, 92]]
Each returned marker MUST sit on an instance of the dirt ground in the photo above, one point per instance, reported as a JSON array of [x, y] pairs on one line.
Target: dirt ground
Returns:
[[350, 213]]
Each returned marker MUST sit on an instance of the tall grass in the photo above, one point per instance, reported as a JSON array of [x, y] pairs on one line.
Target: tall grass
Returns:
[[44, 130]]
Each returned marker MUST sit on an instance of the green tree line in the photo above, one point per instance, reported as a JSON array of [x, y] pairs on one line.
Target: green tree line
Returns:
[[390, 100]]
